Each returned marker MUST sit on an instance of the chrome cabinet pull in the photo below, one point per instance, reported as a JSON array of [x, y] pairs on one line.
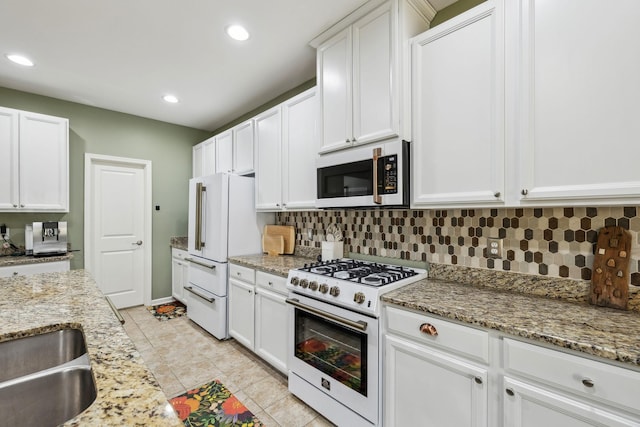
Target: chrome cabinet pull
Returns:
[[429, 329]]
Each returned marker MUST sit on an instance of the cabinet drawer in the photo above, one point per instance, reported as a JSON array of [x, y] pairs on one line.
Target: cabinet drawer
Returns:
[[179, 253], [469, 342], [245, 274], [596, 380], [271, 281]]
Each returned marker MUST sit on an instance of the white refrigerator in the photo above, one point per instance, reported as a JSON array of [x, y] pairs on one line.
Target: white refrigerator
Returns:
[[222, 222]]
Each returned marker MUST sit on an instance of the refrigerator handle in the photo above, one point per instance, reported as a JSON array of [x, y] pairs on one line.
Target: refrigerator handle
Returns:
[[200, 189]]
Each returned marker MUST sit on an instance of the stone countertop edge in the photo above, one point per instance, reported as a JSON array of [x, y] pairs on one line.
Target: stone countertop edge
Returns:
[[597, 331], [127, 392], [179, 242], [9, 260], [278, 265]]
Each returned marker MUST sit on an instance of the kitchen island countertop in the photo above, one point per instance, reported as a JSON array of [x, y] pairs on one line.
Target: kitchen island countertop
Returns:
[[9, 260], [127, 392], [597, 331]]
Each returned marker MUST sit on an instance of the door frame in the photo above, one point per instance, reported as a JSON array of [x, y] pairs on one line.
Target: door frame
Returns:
[[90, 160]]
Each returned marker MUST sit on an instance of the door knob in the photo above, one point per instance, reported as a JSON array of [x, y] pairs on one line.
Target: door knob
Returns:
[[139, 242]]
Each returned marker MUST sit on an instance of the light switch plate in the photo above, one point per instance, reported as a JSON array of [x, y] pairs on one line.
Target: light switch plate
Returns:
[[494, 247]]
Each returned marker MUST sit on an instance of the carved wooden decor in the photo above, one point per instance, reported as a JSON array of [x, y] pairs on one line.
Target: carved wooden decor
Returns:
[[610, 277]]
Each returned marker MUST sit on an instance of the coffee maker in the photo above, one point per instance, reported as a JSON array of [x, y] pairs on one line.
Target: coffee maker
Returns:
[[49, 238]]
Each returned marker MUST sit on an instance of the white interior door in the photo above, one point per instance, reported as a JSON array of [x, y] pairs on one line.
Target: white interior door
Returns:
[[118, 227]]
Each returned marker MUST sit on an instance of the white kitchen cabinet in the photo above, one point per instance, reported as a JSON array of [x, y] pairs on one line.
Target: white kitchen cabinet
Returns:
[[258, 314], [545, 387], [243, 148], [241, 311], [35, 175], [286, 149], [271, 319], [179, 274], [36, 268], [426, 381], [234, 149], [224, 151], [362, 71], [576, 122], [196, 160], [458, 110]]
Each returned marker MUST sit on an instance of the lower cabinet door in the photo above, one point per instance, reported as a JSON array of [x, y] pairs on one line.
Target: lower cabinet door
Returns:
[[241, 312], [430, 388], [526, 405], [272, 324]]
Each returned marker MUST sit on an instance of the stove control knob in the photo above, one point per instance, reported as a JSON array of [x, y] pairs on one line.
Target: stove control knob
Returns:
[[334, 291], [359, 298], [313, 285], [295, 281], [304, 283], [324, 288]]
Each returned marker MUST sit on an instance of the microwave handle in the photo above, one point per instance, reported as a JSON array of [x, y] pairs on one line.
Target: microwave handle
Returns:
[[377, 153]]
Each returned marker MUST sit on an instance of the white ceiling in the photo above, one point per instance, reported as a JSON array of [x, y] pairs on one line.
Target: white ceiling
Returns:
[[124, 55]]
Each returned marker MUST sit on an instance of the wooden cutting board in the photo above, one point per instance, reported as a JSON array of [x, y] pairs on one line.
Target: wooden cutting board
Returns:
[[610, 275], [288, 232], [272, 244]]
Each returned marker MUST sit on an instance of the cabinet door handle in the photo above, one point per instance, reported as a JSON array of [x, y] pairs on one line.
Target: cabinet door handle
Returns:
[[429, 329], [270, 283], [588, 382], [15, 206], [347, 141], [524, 192], [478, 380], [496, 194], [510, 392]]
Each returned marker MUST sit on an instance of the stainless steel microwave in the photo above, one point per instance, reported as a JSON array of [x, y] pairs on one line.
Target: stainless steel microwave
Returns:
[[373, 175]]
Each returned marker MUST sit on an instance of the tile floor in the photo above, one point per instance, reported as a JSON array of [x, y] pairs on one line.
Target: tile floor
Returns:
[[183, 356]]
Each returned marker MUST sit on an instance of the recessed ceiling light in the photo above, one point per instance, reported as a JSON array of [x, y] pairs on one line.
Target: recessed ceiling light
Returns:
[[170, 98], [19, 59], [237, 32]]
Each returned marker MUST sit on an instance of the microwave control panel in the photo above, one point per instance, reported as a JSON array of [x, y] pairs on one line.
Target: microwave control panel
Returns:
[[388, 174]]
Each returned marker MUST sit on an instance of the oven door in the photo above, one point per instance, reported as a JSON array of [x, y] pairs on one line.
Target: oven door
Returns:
[[336, 351], [372, 175]]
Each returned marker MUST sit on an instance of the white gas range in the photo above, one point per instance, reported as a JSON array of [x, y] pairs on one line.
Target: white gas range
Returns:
[[334, 345]]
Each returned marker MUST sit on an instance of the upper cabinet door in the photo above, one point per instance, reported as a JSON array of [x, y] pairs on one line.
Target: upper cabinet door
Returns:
[[44, 163], [196, 160], [9, 139], [268, 135], [299, 150], [375, 93], [458, 112], [209, 156], [334, 81], [578, 126], [224, 152], [243, 148]]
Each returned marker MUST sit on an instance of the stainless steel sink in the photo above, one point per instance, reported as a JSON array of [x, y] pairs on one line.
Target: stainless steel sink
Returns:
[[38, 352], [45, 379], [49, 399]]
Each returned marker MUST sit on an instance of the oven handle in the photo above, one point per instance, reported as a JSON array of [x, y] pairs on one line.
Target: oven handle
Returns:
[[359, 325]]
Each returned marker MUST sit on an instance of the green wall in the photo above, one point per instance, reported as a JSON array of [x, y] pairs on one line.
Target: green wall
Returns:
[[453, 10], [98, 131]]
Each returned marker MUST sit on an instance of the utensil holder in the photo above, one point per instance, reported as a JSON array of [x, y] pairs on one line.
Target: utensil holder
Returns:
[[332, 250]]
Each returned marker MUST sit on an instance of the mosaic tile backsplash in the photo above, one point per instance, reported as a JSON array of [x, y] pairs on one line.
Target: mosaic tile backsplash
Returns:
[[554, 242]]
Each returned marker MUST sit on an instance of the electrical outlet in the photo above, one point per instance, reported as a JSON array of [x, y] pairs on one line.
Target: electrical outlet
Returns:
[[494, 247], [4, 232]]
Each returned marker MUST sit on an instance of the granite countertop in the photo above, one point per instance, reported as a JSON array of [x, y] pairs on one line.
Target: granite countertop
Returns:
[[10, 260], [279, 265], [127, 392], [179, 242], [559, 319]]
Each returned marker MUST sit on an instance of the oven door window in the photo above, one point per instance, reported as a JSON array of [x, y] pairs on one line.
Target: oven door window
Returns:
[[337, 351], [346, 180]]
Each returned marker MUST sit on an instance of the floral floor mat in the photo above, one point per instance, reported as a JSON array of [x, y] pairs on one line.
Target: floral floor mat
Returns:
[[212, 405], [168, 311]]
